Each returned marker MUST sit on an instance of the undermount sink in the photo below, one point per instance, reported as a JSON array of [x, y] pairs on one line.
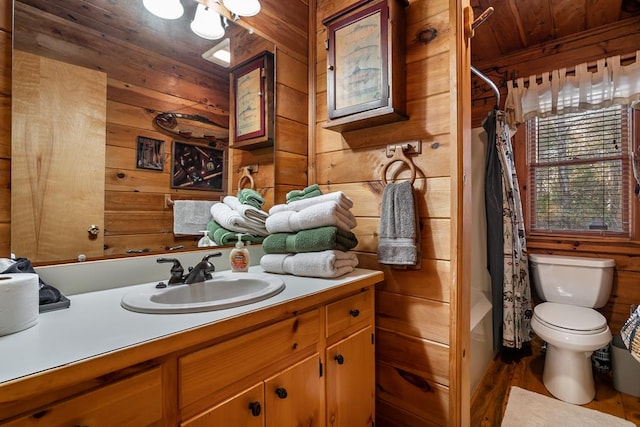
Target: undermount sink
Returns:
[[223, 291]]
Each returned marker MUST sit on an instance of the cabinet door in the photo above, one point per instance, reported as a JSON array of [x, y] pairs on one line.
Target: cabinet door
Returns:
[[294, 397], [351, 381], [245, 409]]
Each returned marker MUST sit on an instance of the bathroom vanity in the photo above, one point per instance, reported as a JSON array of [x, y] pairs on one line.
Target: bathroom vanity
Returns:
[[302, 357]]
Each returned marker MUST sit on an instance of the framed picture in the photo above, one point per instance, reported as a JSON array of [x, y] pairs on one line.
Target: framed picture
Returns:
[[150, 153], [197, 167], [365, 65], [252, 121]]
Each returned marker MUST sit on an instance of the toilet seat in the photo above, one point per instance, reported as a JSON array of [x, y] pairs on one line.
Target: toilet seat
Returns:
[[570, 318]]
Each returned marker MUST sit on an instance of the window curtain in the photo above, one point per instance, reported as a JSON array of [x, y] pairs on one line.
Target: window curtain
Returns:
[[558, 93]]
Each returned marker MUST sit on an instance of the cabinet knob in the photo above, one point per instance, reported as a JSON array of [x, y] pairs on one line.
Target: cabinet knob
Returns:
[[281, 392], [330, 67], [339, 359], [255, 408], [354, 313]]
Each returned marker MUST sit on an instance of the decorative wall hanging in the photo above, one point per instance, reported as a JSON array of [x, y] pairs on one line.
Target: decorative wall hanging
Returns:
[[192, 127], [252, 103], [150, 153], [197, 167], [365, 65]]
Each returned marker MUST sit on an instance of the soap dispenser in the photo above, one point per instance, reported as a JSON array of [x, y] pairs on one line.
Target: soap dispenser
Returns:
[[205, 240], [239, 256]]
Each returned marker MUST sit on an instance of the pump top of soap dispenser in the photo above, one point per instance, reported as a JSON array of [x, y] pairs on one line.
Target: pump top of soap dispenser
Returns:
[[239, 243]]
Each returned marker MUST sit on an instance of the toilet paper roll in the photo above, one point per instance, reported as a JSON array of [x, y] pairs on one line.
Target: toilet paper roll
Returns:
[[19, 302]]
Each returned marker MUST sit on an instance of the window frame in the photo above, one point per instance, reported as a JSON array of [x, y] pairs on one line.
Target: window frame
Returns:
[[575, 238]]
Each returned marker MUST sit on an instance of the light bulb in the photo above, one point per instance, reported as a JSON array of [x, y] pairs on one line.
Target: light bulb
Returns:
[[207, 23], [165, 9], [243, 7]]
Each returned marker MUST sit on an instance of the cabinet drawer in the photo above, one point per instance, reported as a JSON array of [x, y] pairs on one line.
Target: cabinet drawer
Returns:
[[205, 372], [350, 314], [135, 401]]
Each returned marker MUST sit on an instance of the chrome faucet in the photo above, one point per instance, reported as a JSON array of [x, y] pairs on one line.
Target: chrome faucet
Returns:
[[202, 271]]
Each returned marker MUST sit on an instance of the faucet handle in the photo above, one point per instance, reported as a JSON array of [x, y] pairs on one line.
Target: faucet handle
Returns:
[[177, 271], [210, 267], [215, 254]]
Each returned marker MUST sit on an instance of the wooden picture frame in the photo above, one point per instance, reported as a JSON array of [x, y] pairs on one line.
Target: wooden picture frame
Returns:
[[197, 167], [150, 153], [365, 65], [252, 99]]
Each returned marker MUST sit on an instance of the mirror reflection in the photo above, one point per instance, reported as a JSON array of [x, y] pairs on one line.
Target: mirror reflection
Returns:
[[89, 79]]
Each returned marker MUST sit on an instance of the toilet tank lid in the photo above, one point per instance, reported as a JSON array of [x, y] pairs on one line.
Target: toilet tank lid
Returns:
[[571, 260]]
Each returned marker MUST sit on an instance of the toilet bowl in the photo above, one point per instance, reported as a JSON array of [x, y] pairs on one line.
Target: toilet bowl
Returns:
[[572, 334], [571, 288]]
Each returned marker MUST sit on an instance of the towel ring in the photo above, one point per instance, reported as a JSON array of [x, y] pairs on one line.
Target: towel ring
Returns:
[[246, 175], [399, 156]]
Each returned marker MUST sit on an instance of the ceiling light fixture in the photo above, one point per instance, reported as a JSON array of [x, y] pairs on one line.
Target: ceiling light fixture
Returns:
[[165, 9], [219, 54], [207, 23]]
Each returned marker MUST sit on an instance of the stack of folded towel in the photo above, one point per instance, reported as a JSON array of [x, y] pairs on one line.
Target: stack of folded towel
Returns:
[[241, 214], [311, 235]]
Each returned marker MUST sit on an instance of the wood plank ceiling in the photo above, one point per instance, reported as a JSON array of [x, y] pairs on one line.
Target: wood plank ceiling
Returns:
[[128, 22], [517, 25]]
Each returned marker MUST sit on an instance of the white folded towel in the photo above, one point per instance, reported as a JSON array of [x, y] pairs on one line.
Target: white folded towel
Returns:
[[326, 264], [234, 221], [190, 217], [250, 212], [318, 215], [337, 196]]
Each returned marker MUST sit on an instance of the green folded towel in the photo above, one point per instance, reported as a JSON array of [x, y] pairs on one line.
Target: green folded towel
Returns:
[[250, 197], [306, 193], [311, 240], [222, 236]]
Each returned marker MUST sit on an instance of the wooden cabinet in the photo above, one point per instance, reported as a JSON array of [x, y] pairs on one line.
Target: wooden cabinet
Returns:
[[290, 398], [350, 383], [308, 363], [135, 401], [222, 377], [217, 372], [350, 358], [366, 65]]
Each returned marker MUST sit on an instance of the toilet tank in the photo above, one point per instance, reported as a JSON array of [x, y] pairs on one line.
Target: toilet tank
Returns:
[[571, 280]]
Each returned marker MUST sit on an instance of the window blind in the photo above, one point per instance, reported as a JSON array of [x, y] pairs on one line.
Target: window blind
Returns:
[[579, 172]]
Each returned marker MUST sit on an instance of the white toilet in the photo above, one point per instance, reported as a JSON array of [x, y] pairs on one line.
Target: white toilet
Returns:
[[571, 287]]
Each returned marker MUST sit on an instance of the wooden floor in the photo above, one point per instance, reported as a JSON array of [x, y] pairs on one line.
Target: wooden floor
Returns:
[[524, 370]]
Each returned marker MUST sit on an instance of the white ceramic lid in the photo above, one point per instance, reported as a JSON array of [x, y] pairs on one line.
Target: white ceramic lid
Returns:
[[570, 317]]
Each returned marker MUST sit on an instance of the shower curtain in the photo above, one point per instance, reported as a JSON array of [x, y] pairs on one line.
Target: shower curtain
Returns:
[[506, 244]]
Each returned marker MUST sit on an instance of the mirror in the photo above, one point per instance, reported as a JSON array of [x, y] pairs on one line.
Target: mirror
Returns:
[[147, 66]]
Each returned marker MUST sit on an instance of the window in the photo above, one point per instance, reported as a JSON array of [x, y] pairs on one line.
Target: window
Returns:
[[580, 172]]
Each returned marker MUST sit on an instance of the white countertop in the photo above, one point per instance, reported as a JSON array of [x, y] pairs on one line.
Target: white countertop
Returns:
[[96, 324]]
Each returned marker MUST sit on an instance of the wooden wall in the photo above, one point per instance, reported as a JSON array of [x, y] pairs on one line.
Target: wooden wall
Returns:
[[285, 166], [5, 127], [414, 330], [620, 38]]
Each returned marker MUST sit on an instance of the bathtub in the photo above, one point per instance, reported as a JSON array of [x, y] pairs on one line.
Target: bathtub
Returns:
[[481, 337]]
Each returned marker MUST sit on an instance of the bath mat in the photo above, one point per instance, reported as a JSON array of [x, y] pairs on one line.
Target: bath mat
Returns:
[[529, 409]]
